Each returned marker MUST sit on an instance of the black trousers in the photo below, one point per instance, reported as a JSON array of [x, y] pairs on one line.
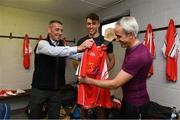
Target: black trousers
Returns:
[[129, 111], [37, 99], [93, 113]]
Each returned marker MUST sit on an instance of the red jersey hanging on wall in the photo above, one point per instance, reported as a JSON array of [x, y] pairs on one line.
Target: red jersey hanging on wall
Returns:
[[170, 51], [26, 53], [149, 43], [94, 65]]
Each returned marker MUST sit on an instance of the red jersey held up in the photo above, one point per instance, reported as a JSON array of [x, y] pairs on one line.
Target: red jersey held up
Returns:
[[94, 65]]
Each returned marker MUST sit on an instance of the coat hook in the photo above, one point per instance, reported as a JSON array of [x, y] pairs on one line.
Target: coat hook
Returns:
[[10, 36]]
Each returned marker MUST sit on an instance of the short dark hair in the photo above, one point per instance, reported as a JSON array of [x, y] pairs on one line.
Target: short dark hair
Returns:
[[55, 21], [93, 16]]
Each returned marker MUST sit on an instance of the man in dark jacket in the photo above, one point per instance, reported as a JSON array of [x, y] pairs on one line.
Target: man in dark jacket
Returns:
[[49, 73]]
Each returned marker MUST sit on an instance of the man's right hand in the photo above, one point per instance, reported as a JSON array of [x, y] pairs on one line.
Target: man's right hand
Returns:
[[86, 44]]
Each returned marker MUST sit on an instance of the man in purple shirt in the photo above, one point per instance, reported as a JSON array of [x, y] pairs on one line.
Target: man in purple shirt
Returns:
[[133, 75]]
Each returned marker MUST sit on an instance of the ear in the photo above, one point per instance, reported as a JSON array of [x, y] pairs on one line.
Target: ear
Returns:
[[98, 24], [49, 29], [131, 35]]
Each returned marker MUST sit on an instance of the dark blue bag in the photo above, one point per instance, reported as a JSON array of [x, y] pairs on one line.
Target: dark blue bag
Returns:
[[4, 111], [75, 112]]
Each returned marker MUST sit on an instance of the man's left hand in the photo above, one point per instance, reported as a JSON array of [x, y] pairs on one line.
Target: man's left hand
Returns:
[[83, 79]]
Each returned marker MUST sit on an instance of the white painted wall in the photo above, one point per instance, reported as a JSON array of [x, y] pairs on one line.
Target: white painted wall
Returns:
[[158, 13]]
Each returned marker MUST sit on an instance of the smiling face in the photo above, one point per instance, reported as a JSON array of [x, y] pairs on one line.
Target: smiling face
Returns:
[[92, 27], [55, 31], [122, 37]]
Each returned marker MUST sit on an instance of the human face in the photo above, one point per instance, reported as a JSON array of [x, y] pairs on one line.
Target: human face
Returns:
[[55, 31], [92, 27], [122, 37]]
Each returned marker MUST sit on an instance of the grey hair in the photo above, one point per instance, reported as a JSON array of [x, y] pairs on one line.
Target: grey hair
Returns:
[[129, 24]]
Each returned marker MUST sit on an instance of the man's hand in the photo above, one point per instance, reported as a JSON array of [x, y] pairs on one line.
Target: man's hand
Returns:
[[86, 44], [84, 80], [103, 47]]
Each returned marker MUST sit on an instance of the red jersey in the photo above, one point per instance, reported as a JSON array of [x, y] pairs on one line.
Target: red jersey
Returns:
[[149, 43], [94, 65], [26, 53], [170, 51]]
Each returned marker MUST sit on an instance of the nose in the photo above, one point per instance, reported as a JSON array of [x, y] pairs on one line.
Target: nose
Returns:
[[60, 32], [90, 26]]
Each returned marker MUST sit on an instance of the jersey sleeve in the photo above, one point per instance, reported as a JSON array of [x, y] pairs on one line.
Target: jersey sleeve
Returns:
[[79, 42], [109, 48], [175, 47]]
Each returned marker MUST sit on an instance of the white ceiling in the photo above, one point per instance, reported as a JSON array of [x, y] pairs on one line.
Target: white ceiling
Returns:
[[71, 8]]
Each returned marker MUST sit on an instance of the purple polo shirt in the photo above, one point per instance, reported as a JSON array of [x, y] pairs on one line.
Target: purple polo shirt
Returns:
[[137, 62]]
